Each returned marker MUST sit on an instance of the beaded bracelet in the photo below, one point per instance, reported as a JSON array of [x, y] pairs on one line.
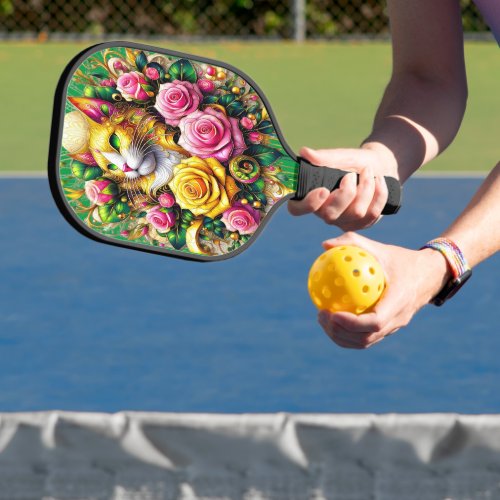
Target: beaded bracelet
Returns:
[[458, 265]]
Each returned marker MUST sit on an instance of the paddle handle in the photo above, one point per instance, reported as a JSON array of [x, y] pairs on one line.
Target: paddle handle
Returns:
[[312, 177]]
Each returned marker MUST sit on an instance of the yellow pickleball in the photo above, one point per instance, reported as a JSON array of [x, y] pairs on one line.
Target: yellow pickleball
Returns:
[[346, 278]]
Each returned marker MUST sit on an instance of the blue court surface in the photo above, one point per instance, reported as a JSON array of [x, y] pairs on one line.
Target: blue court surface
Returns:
[[86, 326]]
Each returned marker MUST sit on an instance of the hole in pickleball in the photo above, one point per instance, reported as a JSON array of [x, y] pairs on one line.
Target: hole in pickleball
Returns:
[[356, 273], [346, 299], [348, 258], [372, 271], [337, 306], [359, 310], [331, 268], [339, 281], [362, 254], [327, 293], [317, 301], [379, 288], [366, 289], [317, 276]]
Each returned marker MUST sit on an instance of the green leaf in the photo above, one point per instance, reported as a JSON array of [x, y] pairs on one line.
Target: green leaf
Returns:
[[182, 69], [141, 60], [107, 214], [110, 213], [85, 172], [263, 154], [253, 108], [177, 237], [187, 216], [107, 93], [111, 189], [208, 223], [265, 127], [227, 99], [210, 99], [105, 109], [258, 185], [262, 198], [219, 233], [121, 207], [235, 109], [89, 91]]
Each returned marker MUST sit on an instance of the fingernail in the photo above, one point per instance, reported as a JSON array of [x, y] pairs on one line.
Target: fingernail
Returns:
[[324, 194]]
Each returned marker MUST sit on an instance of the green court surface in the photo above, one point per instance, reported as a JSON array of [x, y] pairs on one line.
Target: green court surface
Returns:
[[323, 94]]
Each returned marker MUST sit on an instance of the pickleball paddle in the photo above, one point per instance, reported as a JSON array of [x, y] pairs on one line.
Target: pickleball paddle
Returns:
[[171, 153]]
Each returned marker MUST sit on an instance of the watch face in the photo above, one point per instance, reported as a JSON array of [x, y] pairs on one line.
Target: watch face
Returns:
[[451, 288]]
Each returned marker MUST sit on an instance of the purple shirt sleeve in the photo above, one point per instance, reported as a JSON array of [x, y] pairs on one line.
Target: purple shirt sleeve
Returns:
[[490, 9]]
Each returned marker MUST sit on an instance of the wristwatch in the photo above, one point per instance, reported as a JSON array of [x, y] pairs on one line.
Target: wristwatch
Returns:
[[460, 270]]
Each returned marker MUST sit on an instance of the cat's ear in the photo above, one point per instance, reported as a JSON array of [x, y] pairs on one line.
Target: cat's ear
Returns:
[[96, 109]]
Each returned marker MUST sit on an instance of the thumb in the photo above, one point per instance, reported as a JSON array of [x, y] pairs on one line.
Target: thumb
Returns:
[[349, 238], [338, 158]]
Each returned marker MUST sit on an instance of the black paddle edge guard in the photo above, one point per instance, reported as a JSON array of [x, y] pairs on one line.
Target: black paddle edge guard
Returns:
[[55, 149], [312, 177]]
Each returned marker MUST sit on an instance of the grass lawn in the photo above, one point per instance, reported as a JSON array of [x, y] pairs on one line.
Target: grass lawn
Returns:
[[323, 94]]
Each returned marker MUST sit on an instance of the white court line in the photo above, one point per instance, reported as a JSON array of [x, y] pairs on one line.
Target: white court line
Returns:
[[23, 174], [453, 174]]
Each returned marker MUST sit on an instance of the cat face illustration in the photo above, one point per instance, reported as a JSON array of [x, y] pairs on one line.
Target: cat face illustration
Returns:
[[130, 146]]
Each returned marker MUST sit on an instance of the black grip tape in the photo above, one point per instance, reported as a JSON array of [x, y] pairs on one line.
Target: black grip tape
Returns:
[[312, 177]]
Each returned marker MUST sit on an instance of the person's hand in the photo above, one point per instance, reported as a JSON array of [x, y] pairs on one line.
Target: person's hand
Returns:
[[413, 278], [351, 206]]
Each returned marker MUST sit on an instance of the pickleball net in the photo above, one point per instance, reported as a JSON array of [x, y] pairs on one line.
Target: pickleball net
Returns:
[[159, 456]]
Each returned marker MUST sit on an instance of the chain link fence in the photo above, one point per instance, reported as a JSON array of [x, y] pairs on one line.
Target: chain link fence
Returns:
[[283, 19]]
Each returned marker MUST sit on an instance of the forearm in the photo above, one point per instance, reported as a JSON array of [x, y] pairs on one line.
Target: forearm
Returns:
[[416, 120], [477, 230], [424, 103]]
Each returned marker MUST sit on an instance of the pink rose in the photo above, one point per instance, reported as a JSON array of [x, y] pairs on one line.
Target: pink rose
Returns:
[[161, 220], [255, 137], [246, 123], [206, 86], [241, 218], [108, 83], [152, 73], [117, 66], [177, 99], [100, 191], [130, 86], [211, 134], [166, 200]]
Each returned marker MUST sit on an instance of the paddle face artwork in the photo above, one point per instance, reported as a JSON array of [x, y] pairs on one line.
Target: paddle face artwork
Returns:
[[169, 153]]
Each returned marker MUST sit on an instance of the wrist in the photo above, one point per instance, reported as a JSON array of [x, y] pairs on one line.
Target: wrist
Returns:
[[386, 157], [437, 272]]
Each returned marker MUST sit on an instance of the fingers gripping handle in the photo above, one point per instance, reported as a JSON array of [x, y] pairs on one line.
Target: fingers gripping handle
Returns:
[[312, 177]]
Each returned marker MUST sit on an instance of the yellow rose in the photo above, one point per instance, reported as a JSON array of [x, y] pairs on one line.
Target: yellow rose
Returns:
[[202, 186]]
